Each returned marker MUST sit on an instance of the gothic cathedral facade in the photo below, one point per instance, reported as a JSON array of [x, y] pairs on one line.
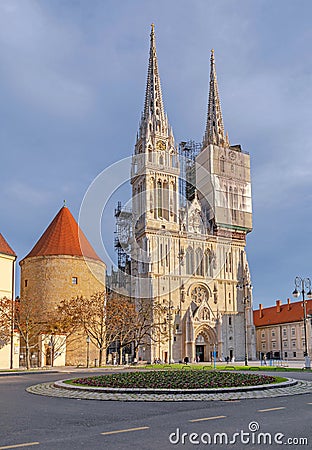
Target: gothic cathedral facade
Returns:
[[188, 257]]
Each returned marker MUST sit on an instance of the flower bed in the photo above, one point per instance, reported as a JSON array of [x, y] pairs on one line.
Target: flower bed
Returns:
[[176, 379]]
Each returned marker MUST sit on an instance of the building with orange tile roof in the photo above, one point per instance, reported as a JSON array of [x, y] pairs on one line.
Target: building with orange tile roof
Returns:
[[62, 265], [280, 330], [5, 249]]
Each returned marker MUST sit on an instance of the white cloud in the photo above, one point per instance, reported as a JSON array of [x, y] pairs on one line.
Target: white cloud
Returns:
[[19, 192]]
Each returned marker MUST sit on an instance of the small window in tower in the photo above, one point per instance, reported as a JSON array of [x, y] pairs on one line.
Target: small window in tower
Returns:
[[230, 320], [74, 280], [26, 283], [222, 166]]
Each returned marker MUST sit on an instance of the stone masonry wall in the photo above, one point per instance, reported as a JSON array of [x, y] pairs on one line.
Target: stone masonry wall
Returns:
[[49, 280]]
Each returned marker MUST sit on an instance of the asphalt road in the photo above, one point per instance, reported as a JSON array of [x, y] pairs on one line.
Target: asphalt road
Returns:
[[57, 423]]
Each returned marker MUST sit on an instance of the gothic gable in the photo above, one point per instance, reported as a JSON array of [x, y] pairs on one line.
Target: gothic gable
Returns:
[[194, 218]]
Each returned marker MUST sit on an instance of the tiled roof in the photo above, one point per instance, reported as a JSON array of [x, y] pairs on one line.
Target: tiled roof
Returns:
[[281, 313], [63, 237], [5, 248]]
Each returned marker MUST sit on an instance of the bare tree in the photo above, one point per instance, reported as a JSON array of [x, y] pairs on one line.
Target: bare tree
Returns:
[[5, 320], [149, 325], [57, 329], [105, 319], [88, 313], [28, 319]]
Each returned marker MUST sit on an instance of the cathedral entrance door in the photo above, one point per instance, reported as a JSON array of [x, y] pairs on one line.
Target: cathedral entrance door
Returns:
[[200, 355]]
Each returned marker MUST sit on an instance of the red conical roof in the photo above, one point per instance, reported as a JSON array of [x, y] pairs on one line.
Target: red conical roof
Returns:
[[63, 237], [5, 248]]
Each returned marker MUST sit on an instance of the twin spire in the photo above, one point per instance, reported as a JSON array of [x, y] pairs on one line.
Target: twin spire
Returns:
[[154, 112], [214, 133]]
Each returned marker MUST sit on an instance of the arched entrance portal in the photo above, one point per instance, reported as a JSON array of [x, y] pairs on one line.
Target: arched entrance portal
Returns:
[[205, 344]]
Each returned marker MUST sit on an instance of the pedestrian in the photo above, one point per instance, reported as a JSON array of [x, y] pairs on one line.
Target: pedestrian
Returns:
[[186, 360]]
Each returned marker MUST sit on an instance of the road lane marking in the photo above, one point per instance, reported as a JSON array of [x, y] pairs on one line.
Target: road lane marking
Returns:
[[207, 418], [231, 401], [123, 431], [26, 444], [272, 409]]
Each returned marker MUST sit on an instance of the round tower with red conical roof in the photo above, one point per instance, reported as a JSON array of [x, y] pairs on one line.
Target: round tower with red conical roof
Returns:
[[62, 265]]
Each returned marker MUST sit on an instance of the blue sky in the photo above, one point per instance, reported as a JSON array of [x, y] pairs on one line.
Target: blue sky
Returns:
[[72, 81]]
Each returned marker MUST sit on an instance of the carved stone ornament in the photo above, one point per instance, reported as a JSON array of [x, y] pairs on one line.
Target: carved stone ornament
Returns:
[[199, 294]]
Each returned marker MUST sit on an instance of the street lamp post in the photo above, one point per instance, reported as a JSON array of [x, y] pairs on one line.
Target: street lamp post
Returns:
[[88, 350], [303, 286], [244, 285]]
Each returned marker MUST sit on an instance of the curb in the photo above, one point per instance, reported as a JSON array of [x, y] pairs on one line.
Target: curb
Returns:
[[62, 385], [22, 372]]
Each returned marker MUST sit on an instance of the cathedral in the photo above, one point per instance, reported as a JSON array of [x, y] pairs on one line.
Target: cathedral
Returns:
[[187, 250]]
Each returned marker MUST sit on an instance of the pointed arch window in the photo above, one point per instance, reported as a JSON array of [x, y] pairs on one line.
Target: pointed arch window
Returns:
[[166, 200], [222, 164], [173, 160], [159, 198], [189, 261], [207, 263], [150, 154], [199, 262]]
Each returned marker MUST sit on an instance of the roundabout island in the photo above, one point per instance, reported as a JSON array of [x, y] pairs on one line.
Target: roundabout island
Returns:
[[173, 385]]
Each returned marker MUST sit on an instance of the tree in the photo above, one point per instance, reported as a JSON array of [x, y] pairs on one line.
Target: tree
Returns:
[[30, 324], [5, 321], [35, 322], [104, 318], [110, 318], [121, 320], [149, 325], [57, 329], [88, 313]]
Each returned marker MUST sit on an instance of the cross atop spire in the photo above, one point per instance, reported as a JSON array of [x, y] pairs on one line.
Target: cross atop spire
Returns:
[[214, 133], [153, 105]]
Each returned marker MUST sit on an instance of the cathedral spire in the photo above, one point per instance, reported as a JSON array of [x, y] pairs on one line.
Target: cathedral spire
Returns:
[[214, 133], [153, 106]]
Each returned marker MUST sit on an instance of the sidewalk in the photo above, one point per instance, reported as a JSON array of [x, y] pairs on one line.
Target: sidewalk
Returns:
[[61, 369], [72, 369]]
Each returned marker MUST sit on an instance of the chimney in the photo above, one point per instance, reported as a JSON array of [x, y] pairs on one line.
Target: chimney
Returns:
[[260, 310], [278, 305], [288, 304]]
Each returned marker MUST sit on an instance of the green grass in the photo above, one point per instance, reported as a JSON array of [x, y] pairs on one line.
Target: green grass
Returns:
[[229, 367]]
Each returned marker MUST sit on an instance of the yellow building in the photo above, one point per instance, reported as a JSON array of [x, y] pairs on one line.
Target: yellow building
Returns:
[[9, 352], [61, 265]]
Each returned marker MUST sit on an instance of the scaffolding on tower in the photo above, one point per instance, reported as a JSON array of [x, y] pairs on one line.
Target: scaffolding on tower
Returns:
[[123, 234], [188, 150]]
